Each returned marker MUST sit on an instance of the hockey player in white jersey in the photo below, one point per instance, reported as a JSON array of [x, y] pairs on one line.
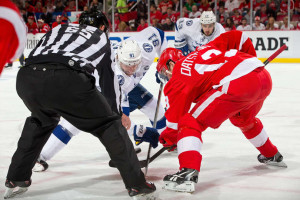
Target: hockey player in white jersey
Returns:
[[191, 33], [131, 60]]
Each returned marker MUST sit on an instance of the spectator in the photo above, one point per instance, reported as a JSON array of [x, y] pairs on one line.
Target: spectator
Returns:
[[142, 9], [171, 14], [142, 25], [121, 6], [195, 13], [58, 21], [257, 25], [59, 6], [284, 7], [263, 14], [81, 4], [219, 4], [185, 12], [273, 5], [38, 7], [189, 4], [31, 25], [71, 6], [123, 27], [244, 7], [156, 24], [257, 4], [244, 26], [204, 5], [46, 16], [155, 14], [229, 25], [165, 3], [168, 25], [42, 26], [164, 10], [237, 18], [222, 15], [85, 8], [231, 5], [24, 14], [285, 26], [271, 25], [29, 8], [96, 5], [50, 7]]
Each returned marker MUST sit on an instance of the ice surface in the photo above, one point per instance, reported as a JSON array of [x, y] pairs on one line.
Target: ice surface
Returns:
[[229, 169]]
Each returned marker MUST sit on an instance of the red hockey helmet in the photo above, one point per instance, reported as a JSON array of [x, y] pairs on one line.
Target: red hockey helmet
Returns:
[[169, 54]]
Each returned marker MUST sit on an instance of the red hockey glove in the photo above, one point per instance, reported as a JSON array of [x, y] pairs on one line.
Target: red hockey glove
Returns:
[[168, 138]]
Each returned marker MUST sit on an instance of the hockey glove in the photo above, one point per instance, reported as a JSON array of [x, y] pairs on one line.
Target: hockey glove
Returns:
[[149, 135], [168, 138]]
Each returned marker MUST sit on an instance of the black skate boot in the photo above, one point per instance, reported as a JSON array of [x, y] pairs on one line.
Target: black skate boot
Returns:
[[276, 160], [143, 192], [15, 188], [182, 181], [40, 166]]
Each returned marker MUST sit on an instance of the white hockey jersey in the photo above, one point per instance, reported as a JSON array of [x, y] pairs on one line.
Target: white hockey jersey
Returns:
[[190, 31], [152, 42]]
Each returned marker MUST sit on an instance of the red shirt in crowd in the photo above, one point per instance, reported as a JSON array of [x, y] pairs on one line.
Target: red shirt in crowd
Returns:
[[140, 27]]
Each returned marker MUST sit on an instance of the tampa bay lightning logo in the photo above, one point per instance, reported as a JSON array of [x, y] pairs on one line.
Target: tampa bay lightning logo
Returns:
[[189, 22], [147, 47], [146, 67], [121, 79]]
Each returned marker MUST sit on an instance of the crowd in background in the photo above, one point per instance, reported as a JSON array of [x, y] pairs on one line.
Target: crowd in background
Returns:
[[131, 15]]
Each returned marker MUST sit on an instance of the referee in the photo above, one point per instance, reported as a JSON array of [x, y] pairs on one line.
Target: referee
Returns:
[[57, 82]]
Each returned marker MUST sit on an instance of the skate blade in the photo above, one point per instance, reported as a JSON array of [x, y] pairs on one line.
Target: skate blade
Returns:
[[277, 164], [38, 168], [151, 196], [187, 186], [10, 193]]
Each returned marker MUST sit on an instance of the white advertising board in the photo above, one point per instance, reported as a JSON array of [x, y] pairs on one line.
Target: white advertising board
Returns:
[[265, 43]]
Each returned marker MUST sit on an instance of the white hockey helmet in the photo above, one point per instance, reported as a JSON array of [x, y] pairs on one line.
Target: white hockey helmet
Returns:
[[129, 53], [207, 17]]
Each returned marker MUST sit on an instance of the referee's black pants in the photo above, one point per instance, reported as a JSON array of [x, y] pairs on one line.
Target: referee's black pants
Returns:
[[51, 91]]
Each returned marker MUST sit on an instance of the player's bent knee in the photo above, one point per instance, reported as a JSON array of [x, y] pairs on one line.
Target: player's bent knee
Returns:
[[188, 121]]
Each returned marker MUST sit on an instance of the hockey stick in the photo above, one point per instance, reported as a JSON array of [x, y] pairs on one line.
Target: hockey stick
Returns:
[[274, 55], [154, 124]]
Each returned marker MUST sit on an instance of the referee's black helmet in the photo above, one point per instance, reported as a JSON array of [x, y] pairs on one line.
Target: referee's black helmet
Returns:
[[95, 19]]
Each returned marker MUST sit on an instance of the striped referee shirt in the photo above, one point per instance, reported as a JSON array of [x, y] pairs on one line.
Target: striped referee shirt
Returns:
[[80, 47]]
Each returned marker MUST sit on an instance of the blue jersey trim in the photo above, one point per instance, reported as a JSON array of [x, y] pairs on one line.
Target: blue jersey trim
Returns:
[[162, 35]]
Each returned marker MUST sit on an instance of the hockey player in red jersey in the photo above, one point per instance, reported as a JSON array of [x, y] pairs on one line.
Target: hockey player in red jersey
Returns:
[[12, 33], [225, 80]]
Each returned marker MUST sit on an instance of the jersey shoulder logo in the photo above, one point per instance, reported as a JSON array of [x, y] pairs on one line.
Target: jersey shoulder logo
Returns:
[[121, 79], [189, 22], [148, 47]]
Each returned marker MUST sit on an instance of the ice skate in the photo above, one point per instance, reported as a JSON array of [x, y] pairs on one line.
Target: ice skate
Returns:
[[40, 166], [182, 181], [15, 188], [276, 160], [144, 192]]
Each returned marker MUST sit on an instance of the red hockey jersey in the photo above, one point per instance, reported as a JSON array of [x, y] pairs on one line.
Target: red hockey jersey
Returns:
[[228, 57], [12, 33]]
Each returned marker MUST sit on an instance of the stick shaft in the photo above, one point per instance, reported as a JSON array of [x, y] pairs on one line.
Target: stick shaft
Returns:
[[154, 124], [274, 55]]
